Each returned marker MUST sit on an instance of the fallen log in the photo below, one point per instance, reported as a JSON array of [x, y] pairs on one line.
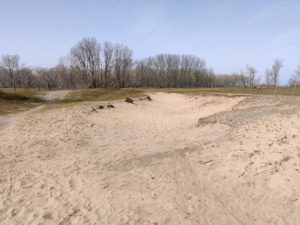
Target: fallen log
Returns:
[[129, 100]]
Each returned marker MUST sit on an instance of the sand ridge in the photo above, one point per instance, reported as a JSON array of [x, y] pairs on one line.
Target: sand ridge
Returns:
[[154, 162]]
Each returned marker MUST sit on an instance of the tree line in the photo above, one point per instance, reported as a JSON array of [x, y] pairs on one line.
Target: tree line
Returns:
[[91, 64]]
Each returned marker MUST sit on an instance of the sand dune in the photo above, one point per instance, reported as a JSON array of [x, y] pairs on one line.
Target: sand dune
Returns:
[[178, 159]]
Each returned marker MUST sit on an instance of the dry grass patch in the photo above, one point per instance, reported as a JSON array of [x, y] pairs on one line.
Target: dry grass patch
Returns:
[[102, 94], [16, 101], [265, 91]]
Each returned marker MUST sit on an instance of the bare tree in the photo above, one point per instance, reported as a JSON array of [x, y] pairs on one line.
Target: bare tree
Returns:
[[210, 77], [108, 50], [275, 73], [172, 63], [86, 56], [198, 72], [251, 73], [123, 62], [3, 78], [170, 70], [26, 78], [62, 71], [47, 78], [295, 80], [90, 66], [10, 64], [118, 64], [243, 79], [268, 77], [127, 64]]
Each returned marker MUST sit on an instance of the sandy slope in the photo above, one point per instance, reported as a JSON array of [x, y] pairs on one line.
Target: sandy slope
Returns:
[[155, 163]]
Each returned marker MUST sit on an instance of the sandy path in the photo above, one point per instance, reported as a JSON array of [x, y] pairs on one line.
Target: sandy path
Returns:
[[152, 163], [56, 95]]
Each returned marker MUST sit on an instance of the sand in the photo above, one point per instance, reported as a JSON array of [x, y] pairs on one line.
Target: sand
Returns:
[[56, 95], [178, 159]]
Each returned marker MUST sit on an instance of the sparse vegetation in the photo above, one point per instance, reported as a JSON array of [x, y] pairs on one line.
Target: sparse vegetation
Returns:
[[22, 99], [102, 94], [99, 94], [266, 91]]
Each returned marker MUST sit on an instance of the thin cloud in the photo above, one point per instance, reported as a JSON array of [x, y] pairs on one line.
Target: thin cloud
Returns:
[[265, 12]]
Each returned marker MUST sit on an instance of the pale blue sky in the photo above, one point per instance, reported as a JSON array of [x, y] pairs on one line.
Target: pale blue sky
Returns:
[[228, 34]]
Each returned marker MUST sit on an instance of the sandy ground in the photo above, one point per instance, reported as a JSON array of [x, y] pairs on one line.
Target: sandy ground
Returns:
[[175, 160], [56, 95]]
